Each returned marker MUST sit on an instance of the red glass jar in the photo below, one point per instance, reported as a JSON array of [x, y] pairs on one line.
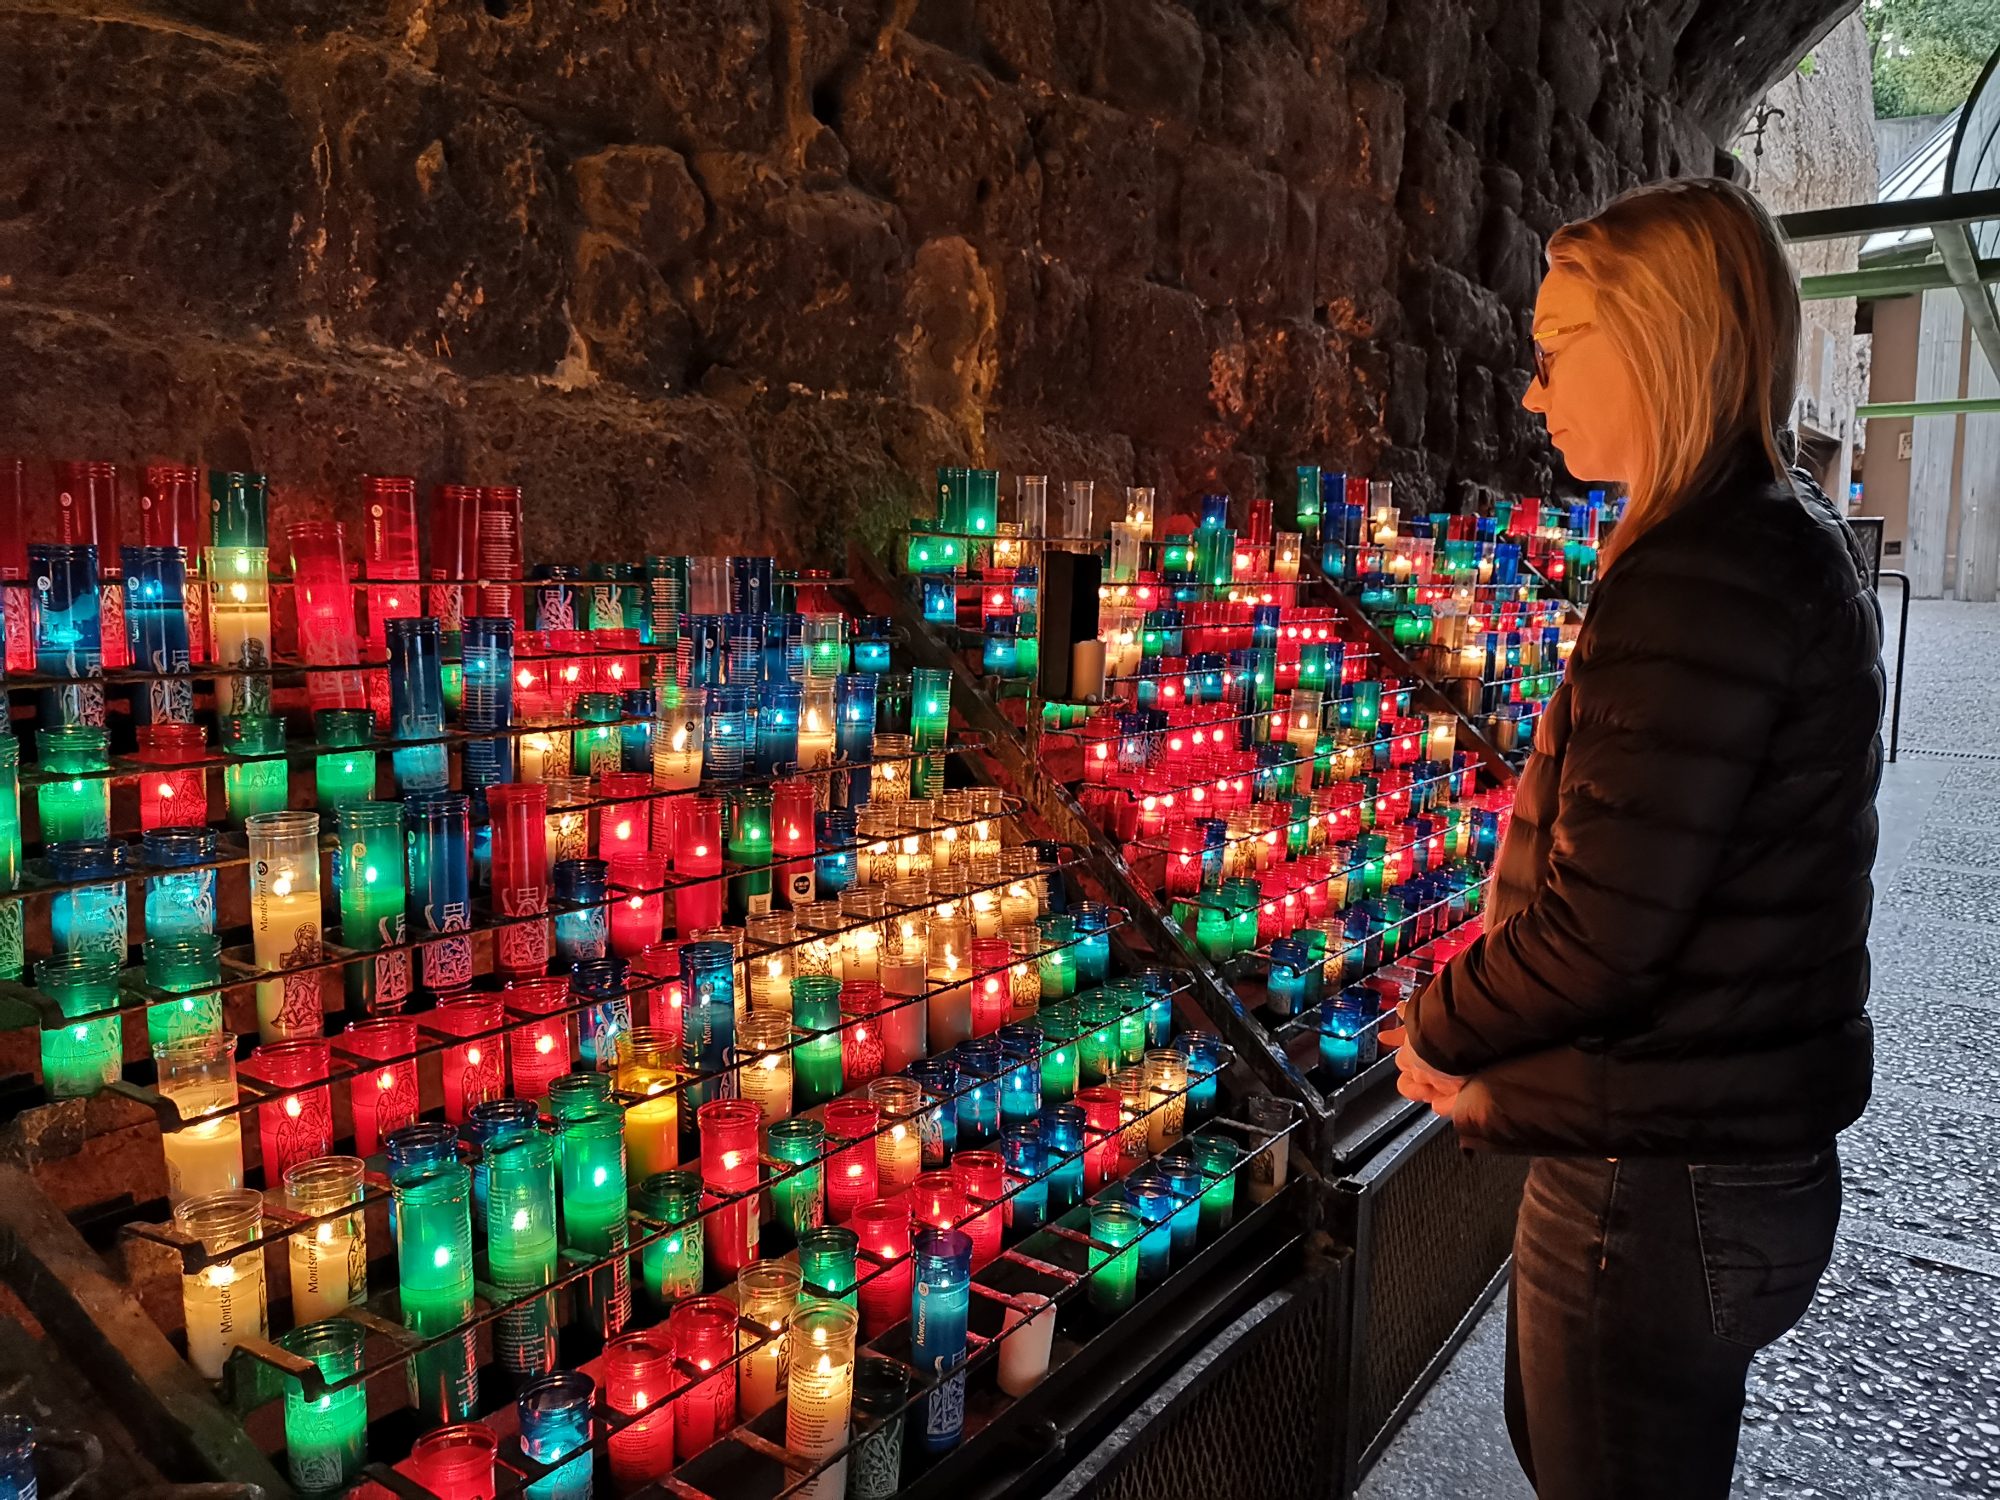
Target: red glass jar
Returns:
[[852, 1174], [295, 1123], [729, 1173], [703, 1331], [639, 1376], [640, 915], [883, 1228], [624, 822], [520, 874], [382, 1093], [698, 856], [982, 1177], [540, 1046], [172, 798]]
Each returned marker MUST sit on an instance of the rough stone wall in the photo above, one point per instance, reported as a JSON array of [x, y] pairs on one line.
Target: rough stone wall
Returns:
[[729, 273], [1821, 153]]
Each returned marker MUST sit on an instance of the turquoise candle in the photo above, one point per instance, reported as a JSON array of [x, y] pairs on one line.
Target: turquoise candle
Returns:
[[1154, 1203], [87, 1051], [1184, 1180], [554, 1416], [326, 1436], [816, 1062], [255, 786], [827, 1262], [434, 1267], [1217, 1158], [13, 945], [799, 1145]]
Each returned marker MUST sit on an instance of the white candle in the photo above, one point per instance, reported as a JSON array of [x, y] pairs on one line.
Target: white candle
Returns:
[[758, 1381], [861, 954], [677, 756], [767, 1082], [329, 1269], [204, 1158], [224, 1305], [950, 1005], [821, 1400], [899, 1157], [1028, 1332], [285, 934], [985, 914]]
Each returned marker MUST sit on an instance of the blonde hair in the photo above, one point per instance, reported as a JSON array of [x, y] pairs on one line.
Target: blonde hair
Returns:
[[1695, 290]]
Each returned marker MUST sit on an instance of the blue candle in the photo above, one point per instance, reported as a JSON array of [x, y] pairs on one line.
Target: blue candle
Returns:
[[1093, 952], [69, 624], [179, 905], [156, 629], [1347, 1030], [834, 865], [604, 1024], [641, 706], [980, 1066], [778, 728], [854, 727], [872, 645], [416, 703], [1183, 1179], [705, 656], [554, 1414], [708, 1013], [1159, 985], [91, 919], [1021, 1087], [1155, 1203], [1027, 1161], [582, 921], [1062, 1147], [940, 601], [940, 1300], [1207, 1056], [487, 705], [938, 1124], [439, 824], [726, 742]]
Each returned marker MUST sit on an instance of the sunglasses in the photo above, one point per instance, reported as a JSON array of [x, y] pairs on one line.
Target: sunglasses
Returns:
[[1542, 357]]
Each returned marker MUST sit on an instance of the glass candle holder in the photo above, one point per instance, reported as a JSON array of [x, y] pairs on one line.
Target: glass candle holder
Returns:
[[75, 804], [224, 1303], [522, 1248], [595, 1202], [583, 921], [329, 1260], [295, 1119], [698, 862], [261, 781], [763, 1056], [708, 1013], [1114, 1257], [794, 843], [92, 919], [649, 1074], [324, 596], [205, 1154], [456, 1462], [940, 1301], [852, 1176], [899, 1103], [434, 1272], [439, 828], [473, 1071], [1154, 1202], [862, 1050], [624, 822], [539, 1049], [347, 774], [669, 1208], [1021, 1086], [726, 733], [797, 1147], [520, 876], [1103, 1108], [639, 916], [69, 618], [982, 1177], [1265, 1176], [704, 1334], [729, 1170], [326, 1436], [819, 1403], [554, 1414], [1062, 1147], [13, 938], [881, 1395], [639, 1376], [86, 1052], [169, 795], [747, 817], [1027, 1162], [382, 1092], [767, 1291], [679, 738], [239, 615], [190, 970], [817, 1059], [285, 922], [883, 1237], [368, 874], [1217, 1158], [416, 703], [1166, 1073]]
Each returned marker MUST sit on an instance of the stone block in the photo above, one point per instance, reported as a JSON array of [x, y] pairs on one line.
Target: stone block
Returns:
[[847, 470], [1440, 200], [1149, 58], [1478, 428], [1572, 57], [1326, 27], [1409, 398], [1105, 186], [1317, 126], [1375, 163], [1428, 48], [635, 329], [1043, 340], [944, 141], [1454, 310], [66, 384], [643, 194], [692, 73], [1243, 98], [1441, 403], [953, 360], [145, 168], [434, 222], [1297, 384], [1359, 248], [279, 20], [1021, 40], [1163, 367], [1232, 228], [1515, 36], [1510, 257], [798, 284], [1522, 136], [610, 476]]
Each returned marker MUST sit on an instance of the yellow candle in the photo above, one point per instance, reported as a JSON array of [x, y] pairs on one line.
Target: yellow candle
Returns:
[[861, 954], [204, 1158], [1018, 906], [899, 1157], [285, 921], [653, 1120], [765, 1077], [329, 1261], [949, 1004]]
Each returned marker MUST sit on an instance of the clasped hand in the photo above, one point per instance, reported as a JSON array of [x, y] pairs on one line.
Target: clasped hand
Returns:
[[1418, 1080]]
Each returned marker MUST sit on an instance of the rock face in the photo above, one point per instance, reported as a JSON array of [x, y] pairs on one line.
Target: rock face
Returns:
[[724, 273]]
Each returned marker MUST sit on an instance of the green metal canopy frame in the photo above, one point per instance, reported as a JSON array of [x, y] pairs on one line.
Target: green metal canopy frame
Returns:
[[1964, 222]]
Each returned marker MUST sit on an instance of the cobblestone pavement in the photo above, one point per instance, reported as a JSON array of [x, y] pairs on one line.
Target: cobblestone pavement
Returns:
[[1890, 1389]]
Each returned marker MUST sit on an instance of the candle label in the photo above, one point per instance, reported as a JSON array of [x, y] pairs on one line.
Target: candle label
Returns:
[[392, 977], [875, 1467], [448, 964], [523, 948], [170, 700], [116, 647], [299, 1009]]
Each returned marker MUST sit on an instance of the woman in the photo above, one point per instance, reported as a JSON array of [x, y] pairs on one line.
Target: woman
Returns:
[[1666, 1009]]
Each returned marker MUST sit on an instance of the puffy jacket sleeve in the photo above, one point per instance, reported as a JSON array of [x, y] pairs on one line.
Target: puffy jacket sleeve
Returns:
[[1675, 690]]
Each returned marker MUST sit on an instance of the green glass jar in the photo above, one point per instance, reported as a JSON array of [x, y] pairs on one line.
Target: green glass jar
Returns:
[[671, 1263]]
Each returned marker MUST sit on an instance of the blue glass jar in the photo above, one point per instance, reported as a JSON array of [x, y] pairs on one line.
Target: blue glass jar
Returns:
[[1183, 1180], [553, 596], [940, 1299], [487, 704], [708, 1014], [1347, 1024], [582, 921], [1062, 1146], [872, 645], [1159, 986], [1021, 1086], [555, 1417], [69, 610], [855, 697], [726, 743], [940, 599], [17, 1457], [834, 865], [752, 584], [179, 905], [1001, 657], [490, 1124], [1207, 1056], [980, 1065], [606, 1021], [1156, 1205], [937, 1125], [438, 825], [778, 728], [156, 630], [1027, 1166], [641, 707], [416, 703], [701, 642], [90, 919], [1093, 948]]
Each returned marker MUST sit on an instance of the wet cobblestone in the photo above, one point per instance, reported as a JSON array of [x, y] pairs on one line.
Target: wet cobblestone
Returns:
[[1912, 956], [1941, 1043], [1924, 1168]]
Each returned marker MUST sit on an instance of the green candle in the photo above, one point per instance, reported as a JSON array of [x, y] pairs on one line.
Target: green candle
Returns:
[[827, 1262], [816, 1063], [594, 1208], [521, 1249], [1114, 1259], [748, 814], [434, 1266], [671, 1264], [255, 786], [74, 804], [800, 1197], [1061, 1064], [349, 775], [1099, 1047], [1217, 1158], [87, 1051], [326, 1437], [190, 969], [369, 875], [13, 945]]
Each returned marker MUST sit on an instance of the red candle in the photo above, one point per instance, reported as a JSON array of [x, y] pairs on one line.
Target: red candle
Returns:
[[1184, 869], [937, 1200], [1101, 1105], [454, 526], [703, 1332], [473, 1071], [698, 857], [453, 1463], [623, 824], [729, 1171], [640, 914], [992, 991], [498, 550], [324, 595], [520, 812], [295, 1122], [982, 1177], [883, 1227], [540, 1046], [172, 798], [382, 1093], [615, 666], [792, 808], [851, 1178], [569, 672], [863, 1052], [661, 962], [18, 598], [638, 1374]]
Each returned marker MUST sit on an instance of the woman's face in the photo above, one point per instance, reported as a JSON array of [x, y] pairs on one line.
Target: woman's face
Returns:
[[1589, 400]]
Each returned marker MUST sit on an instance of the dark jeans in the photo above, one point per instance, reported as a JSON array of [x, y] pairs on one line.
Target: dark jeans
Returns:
[[1641, 1290]]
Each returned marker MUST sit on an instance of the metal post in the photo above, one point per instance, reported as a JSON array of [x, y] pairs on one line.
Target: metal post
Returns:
[[1902, 641]]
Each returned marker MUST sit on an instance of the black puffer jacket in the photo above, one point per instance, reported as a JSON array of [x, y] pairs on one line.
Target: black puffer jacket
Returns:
[[1675, 960]]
